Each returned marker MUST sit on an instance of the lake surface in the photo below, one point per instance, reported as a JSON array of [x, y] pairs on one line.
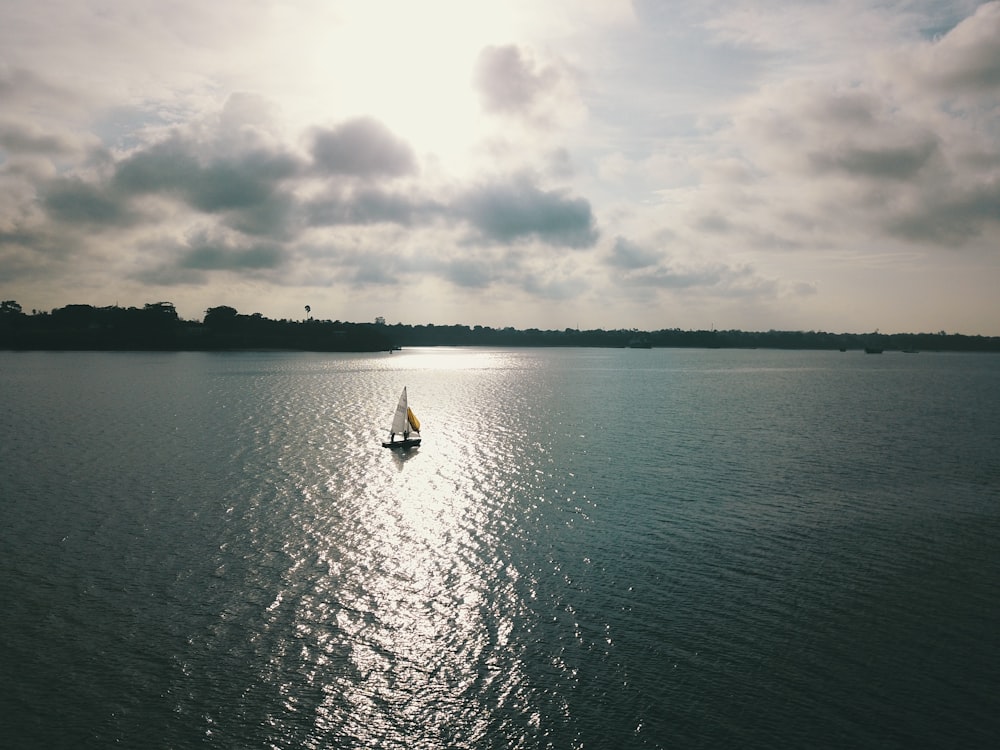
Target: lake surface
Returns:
[[591, 549]]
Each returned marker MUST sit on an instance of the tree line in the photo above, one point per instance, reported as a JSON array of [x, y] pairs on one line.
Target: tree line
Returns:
[[157, 326]]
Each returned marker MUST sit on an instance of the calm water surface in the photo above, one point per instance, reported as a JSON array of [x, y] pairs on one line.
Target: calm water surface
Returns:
[[592, 549]]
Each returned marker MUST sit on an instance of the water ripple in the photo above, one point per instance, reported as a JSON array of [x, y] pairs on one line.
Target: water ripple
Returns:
[[591, 548]]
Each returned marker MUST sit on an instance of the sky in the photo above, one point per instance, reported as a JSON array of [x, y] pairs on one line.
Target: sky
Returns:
[[829, 166]]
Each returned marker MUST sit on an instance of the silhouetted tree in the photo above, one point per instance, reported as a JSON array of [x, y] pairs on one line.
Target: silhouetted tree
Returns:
[[161, 316], [220, 317], [157, 326]]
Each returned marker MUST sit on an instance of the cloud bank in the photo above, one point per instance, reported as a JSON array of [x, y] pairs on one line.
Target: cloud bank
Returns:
[[760, 167]]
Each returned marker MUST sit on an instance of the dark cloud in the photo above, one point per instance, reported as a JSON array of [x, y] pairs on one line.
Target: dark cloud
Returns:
[[628, 255], [203, 254], [227, 185], [216, 257], [846, 109], [163, 168], [367, 206], [277, 217], [254, 190], [240, 183], [73, 201], [26, 253], [362, 148], [220, 184], [502, 211], [517, 210], [249, 187], [18, 139], [950, 217], [508, 82], [879, 156], [714, 222], [369, 273], [854, 133], [258, 196], [889, 163]]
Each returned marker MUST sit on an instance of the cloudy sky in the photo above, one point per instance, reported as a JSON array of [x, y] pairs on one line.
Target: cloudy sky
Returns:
[[830, 165]]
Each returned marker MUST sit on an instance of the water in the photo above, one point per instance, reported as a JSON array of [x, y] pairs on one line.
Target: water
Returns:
[[592, 548]]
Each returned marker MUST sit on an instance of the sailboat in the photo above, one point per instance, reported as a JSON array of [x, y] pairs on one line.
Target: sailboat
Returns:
[[404, 425]]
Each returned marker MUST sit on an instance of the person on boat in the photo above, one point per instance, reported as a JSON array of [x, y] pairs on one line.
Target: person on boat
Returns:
[[392, 437]]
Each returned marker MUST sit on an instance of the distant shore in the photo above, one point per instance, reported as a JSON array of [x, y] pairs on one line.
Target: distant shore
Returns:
[[157, 327]]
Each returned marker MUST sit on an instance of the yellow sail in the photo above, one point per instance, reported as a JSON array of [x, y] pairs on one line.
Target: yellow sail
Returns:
[[414, 422]]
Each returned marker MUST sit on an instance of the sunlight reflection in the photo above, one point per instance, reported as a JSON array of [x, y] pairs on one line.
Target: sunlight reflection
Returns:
[[408, 608], [451, 358], [417, 614]]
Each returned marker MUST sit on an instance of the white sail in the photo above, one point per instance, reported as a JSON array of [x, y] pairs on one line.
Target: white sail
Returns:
[[405, 430], [399, 423]]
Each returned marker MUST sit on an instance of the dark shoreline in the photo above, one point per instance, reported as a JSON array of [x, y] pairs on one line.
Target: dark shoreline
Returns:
[[157, 327]]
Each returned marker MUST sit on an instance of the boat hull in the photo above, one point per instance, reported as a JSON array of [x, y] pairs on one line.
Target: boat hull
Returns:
[[401, 444]]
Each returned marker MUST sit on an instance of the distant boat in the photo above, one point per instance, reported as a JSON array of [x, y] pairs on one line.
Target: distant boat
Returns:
[[640, 343], [873, 350], [404, 424]]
